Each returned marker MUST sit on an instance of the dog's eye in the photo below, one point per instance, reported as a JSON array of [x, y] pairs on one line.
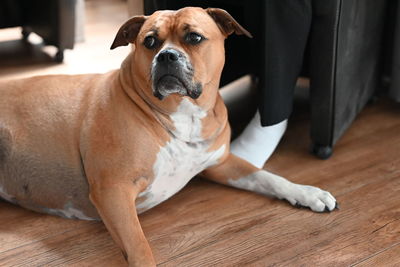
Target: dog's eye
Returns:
[[150, 42], [194, 38]]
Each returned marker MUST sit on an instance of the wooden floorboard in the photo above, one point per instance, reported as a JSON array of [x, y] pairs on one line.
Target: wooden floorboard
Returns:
[[207, 224], [388, 257]]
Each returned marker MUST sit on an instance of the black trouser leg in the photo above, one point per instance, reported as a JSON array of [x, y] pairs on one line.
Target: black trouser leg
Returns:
[[287, 24]]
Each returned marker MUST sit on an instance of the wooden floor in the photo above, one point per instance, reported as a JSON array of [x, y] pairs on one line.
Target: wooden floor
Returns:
[[211, 225]]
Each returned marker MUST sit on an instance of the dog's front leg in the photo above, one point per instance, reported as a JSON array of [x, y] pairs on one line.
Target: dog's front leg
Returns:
[[115, 202], [239, 173]]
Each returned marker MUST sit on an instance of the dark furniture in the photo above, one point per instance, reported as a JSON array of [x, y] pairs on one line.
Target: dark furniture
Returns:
[[53, 20], [342, 59], [393, 49], [345, 65]]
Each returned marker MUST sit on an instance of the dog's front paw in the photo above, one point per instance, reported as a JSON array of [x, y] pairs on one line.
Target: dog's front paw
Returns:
[[309, 196]]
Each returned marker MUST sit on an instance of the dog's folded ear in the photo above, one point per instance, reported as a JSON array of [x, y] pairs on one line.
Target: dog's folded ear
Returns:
[[128, 32], [226, 23]]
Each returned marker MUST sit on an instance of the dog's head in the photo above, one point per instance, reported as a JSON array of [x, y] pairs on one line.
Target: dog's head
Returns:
[[179, 52]]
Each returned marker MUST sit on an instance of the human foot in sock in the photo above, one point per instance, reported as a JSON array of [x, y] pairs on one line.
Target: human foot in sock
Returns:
[[257, 143]]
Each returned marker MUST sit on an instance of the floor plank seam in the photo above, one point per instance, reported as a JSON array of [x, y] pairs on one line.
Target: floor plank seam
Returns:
[[375, 254]]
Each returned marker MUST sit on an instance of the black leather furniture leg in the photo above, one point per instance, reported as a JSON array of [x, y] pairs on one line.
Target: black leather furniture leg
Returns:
[[345, 52]]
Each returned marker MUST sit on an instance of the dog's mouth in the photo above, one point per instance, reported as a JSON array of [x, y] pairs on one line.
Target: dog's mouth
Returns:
[[170, 84], [172, 73]]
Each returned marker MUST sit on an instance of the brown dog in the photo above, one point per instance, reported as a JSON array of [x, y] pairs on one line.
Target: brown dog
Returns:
[[113, 145]]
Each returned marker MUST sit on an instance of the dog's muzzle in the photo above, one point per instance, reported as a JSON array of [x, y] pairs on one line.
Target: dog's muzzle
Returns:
[[172, 73]]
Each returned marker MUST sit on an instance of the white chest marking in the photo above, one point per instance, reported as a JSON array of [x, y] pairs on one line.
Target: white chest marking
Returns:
[[184, 156]]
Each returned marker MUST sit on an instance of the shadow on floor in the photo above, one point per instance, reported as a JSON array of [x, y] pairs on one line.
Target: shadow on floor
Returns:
[[17, 55]]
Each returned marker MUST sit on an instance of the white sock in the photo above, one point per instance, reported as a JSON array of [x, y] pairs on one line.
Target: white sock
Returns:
[[257, 143]]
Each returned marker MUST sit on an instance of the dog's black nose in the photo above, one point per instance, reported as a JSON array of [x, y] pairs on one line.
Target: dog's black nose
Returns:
[[168, 56]]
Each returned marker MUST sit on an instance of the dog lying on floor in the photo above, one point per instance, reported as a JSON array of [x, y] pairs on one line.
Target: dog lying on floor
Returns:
[[110, 146]]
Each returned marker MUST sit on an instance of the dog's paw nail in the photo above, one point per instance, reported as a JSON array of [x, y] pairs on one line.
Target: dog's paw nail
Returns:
[[337, 206], [299, 206]]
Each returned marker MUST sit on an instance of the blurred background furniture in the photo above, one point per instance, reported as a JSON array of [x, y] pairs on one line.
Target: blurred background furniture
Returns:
[[393, 58], [343, 58], [53, 20], [345, 65]]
